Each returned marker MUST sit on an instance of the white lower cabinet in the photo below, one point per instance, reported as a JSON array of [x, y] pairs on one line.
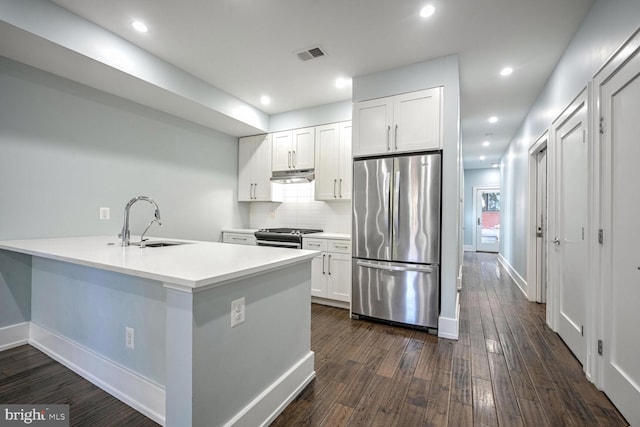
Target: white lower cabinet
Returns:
[[331, 270], [239, 238]]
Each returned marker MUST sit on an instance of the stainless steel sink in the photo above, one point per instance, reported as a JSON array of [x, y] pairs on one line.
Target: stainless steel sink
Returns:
[[160, 243]]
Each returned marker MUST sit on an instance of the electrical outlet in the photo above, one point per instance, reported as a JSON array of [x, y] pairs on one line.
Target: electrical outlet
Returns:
[[105, 213], [129, 338], [237, 312]]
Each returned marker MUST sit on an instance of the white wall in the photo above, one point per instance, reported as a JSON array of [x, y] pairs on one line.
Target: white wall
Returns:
[[607, 25], [313, 116], [68, 150], [475, 177]]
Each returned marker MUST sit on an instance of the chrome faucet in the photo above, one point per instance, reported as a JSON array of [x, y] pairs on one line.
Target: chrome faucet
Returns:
[[125, 234]]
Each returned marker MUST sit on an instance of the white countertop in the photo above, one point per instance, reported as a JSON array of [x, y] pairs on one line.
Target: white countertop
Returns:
[[239, 230], [325, 235], [191, 265]]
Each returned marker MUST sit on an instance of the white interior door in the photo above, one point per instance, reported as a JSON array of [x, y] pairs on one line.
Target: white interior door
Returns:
[[570, 251], [541, 225], [487, 219], [620, 104]]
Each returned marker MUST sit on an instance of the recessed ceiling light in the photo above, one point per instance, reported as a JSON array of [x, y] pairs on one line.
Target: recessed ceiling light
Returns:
[[342, 82], [265, 100], [495, 165], [427, 11], [482, 157], [486, 143], [493, 119], [139, 26], [506, 71]]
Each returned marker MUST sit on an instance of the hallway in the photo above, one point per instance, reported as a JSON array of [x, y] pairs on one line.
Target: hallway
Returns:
[[507, 369]]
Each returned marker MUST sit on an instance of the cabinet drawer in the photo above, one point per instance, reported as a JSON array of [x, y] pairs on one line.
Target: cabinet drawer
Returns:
[[314, 244], [340, 246], [239, 238]]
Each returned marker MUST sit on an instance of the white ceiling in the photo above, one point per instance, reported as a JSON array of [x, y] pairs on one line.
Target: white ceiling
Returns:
[[247, 48]]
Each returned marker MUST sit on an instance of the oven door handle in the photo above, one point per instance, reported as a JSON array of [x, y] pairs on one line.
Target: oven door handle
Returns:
[[278, 244]]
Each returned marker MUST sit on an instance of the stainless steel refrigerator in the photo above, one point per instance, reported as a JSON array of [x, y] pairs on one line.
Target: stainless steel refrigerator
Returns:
[[396, 239]]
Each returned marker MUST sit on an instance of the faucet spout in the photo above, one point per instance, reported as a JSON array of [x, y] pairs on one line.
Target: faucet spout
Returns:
[[125, 234]]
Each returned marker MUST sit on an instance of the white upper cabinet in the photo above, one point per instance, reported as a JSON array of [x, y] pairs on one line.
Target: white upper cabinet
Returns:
[[293, 149], [401, 123], [254, 170], [333, 162]]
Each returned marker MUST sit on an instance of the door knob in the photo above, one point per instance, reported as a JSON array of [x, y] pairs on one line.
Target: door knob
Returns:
[[556, 241]]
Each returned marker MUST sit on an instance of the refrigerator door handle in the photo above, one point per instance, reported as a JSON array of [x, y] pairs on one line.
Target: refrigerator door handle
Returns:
[[396, 211], [426, 270]]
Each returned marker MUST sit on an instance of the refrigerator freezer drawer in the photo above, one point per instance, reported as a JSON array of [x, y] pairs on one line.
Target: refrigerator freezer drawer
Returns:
[[403, 293]]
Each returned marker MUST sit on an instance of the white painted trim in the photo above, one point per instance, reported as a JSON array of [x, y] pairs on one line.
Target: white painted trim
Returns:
[[331, 302], [522, 284], [460, 278], [278, 395], [131, 388], [14, 335], [476, 189], [469, 248], [447, 327]]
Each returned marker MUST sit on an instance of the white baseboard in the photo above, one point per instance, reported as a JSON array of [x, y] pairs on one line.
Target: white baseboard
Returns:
[[330, 302], [122, 383], [522, 284], [278, 395], [448, 327], [468, 248], [14, 335]]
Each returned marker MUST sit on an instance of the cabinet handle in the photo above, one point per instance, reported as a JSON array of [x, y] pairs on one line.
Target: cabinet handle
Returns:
[[329, 265], [239, 238], [289, 159], [317, 245], [251, 191], [340, 188], [395, 137], [388, 138], [254, 191], [323, 257], [293, 158], [334, 189], [341, 246]]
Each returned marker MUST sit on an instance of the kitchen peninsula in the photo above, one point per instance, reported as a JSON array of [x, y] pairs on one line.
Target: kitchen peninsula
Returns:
[[186, 365]]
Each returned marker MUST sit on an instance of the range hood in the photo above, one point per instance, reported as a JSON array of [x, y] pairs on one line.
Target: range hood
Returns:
[[293, 176]]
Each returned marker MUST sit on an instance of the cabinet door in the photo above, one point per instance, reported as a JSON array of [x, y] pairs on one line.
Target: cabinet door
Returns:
[[246, 149], [417, 121], [302, 148], [261, 169], [319, 276], [281, 151], [344, 161], [372, 121], [327, 159], [339, 277]]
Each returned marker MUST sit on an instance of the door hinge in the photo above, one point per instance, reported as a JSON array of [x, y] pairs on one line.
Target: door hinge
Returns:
[[582, 330], [582, 233], [601, 125], [584, 135], [600, 347], [601, 236]]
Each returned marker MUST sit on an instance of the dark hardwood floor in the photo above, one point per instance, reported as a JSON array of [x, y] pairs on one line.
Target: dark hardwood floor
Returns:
[[28, 376], [507, 369]]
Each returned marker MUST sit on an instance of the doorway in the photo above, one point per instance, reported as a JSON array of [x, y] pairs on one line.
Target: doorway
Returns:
[[487, 224], [538, 219]]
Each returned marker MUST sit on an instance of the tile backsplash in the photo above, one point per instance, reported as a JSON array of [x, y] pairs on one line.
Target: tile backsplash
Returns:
[[299, 209]]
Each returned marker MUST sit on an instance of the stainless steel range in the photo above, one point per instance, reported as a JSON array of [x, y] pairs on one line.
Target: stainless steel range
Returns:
[[283, 237]]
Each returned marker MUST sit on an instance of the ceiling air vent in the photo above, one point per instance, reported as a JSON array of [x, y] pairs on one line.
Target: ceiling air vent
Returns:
[[314, 52]]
